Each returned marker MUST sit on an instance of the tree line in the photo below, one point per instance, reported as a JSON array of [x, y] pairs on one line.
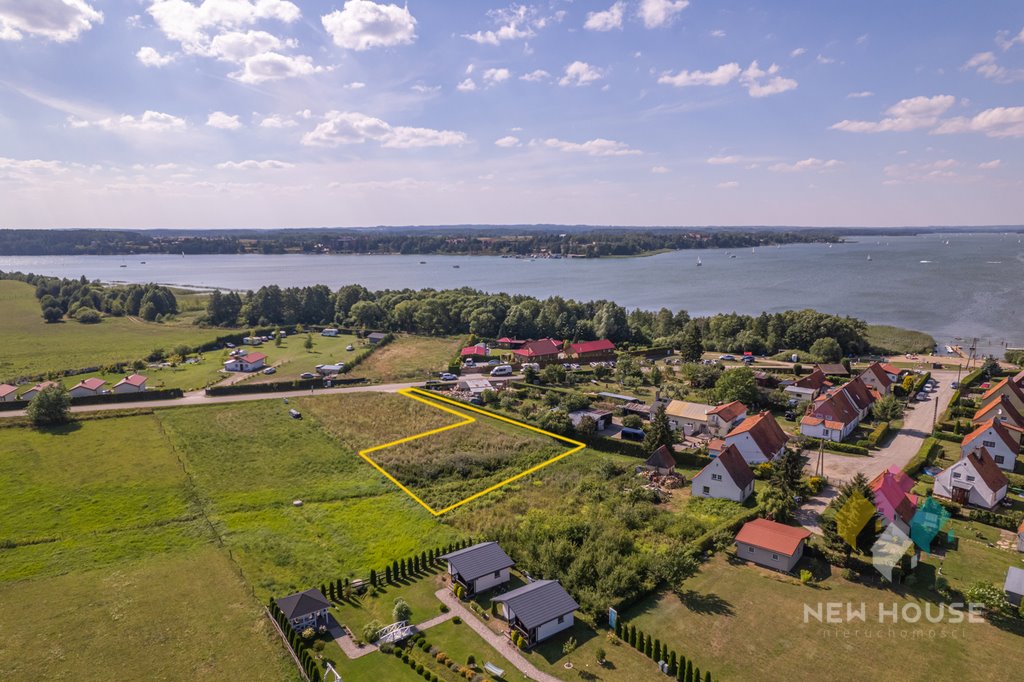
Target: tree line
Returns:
[[83, 300]]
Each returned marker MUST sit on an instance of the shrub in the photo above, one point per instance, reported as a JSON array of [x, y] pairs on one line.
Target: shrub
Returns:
[[87, 316], [806, 576], [457, 620], [444, 608], [878, 434], [319, 645], [50, 407], [471, 660]]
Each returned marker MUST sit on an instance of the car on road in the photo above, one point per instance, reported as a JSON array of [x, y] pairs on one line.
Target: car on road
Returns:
[[307, 375], [270, 370], [726, 357], [502, 371], [955, 384], [922, 396], [448, 376]]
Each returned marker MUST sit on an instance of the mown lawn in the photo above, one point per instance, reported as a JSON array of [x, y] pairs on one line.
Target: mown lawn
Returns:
[[292, 358], [459, 642], [409, 358], [417, 592], [33, 347]]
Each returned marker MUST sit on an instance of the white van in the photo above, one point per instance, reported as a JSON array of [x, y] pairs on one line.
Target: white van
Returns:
[[531, 365], [502, 371]]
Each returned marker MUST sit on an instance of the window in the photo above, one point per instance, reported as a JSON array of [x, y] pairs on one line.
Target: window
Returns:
[[716, 477], [707, 490], [970, 478], [497, 574], [988, 443], [956, 474], [561, 619], [999, 459], [775, 557], [750, 550]]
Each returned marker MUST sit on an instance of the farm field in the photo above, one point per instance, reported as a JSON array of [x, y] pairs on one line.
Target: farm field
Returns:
[[409, 358], [32, 347], [744, 622]]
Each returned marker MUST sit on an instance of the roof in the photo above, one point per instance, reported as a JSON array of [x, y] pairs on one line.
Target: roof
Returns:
[[987, 468], [999, 429], [599, 346], [889, 369], [766, 432], [835, 406], [859, 393], [687, 410], [92, 384], [1014, 580], [252, 358], [834, 370], [662, 458], [7, 389], [539, 602], [133, 380], [617, 396], [893, 485], [509, 341], [814, 381], [729, 411], [1003, 403], [479, 560], [539, 348], [1010, 385], [303, 603], [42, 385], [878, 372], [478, 349], [1021, 528], [376, 335], [772, 536], [734, 464]]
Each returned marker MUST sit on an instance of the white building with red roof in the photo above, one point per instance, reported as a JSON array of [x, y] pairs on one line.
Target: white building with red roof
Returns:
[[974, 480], [809, 387], [758, 439], [87, 387], [480, 350], [591, 351], [1011, 390], [133, 383], [723, 418], [32, 392], [832, 417], [246, 363], [1001, 441], [1002, 410], [771, 544], [877, 378], [8, 393], [726, 477], [893, 498]]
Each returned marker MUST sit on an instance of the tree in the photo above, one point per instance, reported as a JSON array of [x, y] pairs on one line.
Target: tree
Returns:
[[827, 349], [308, 343], [691, 346], [402, 610], [788, 470], [659, 432], [530, 374], [50, 407], [887, 408], [87, 316], [777, 502], [737, 384], [586, 428]]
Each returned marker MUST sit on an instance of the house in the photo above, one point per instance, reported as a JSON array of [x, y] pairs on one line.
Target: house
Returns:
[[861, 395], [661, 461], [690, 418], [376, 337], [974, 480], [723, 418], [808, 387], [831, 417], [31, 393], [93, 386], [475, 385], [877, 378], [1000, 409], [330, 370], [771, 544], [639, 409], [245, 363], [1013, 392], [1020, 537], [1014, 585], [8, 393], [894, 372], [602, 418], [766, 380], [758, 439], [892, 497], [1001, 441], [509, 343], [330, 331], [479, 351], [305, 609], [726, 477], [538, 610], [253, 340], [543, 351], [593, 351], [480, 567], [834, 370], [133, 383]]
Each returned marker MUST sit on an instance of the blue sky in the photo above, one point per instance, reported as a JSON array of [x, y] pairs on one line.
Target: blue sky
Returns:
[[269, 113]]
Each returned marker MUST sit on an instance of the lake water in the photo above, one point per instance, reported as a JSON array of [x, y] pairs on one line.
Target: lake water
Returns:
[[971, 287]]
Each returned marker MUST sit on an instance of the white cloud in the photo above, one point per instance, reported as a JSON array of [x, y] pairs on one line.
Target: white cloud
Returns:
[[276, 121], [150, 57], [149, 122], [343, 127], [986, 64], [941, 170], [730, 184], [989, 165], [424, 89], [997, 122], [798, 51], [533, 76], [718, 33], [194, 26], [655, 13], [361, 25], [513, 23], [860, 95], [57, 20], [507, 141], [861, 39], [756, 87], [250, 164], [1005, 42], [720, 76], [822, 59], [271, 66], [804, 165], [495, 76], [907, 114], [358, 85], [219, 119], [660, 170], [580, 73], [595, 147], [724, 160], [468, 85], [606, 20]]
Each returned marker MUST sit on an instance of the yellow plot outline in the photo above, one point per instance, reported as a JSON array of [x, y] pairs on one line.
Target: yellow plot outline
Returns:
[[433, 400]]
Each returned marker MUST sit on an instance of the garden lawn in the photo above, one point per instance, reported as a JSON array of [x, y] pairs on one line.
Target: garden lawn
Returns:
[[186, 616], [292, 359], [418, 593], [624, 663], [409, 358], [742, 622], [459, 642], [33, 347]]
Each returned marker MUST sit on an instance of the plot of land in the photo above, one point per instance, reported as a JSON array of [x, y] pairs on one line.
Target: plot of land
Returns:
[[292, 358], [409, 358]]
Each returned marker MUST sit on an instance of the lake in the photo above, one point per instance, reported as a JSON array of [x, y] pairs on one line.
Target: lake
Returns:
[[970, 287]]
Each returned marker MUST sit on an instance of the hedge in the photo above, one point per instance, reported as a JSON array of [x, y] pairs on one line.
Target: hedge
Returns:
[[835, 447], [635, 449], [879, 432], [1005, 521], [971, 378], [702, 542], [277, 386], [947, 436], [923, 457], [678, 664], [167, 394]]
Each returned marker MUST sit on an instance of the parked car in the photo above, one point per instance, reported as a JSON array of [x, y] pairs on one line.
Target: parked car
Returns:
[[469, 363], [502, 371], [349, 347], [494, 361], [307, 375], [295, 414], [922, 396], [955, 384], [448, 376], [270, 370], [791, 416], [726, 357]]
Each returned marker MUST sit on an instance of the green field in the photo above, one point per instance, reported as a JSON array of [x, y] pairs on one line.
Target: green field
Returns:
[[33, 347], [409, 358], [898, 341], [291, 358]]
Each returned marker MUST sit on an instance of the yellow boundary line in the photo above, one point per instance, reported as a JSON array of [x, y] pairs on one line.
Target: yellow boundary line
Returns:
[[433, 400]]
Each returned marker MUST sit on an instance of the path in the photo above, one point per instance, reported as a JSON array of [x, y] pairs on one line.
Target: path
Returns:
[[350, 649], [500, 643], [917, 425]]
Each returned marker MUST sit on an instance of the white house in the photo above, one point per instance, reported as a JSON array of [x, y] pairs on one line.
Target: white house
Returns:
[[93, 386], [480, 567], [974, 480], [758, 439], [690, 418], [305, 609], [31, 393], [8, 393], [723, 418], [771, 544], [808, 387], [1013, 392], [1014, 585], [133, 383], [877, 378], [998, 439], [245, 363], [538, 610], [832, 417], [726, 477], [1000, 409]]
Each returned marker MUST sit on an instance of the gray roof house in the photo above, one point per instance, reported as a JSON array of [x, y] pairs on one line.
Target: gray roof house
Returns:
[[376, 337], [305, 609], [479, 567], [1014, 585], [538, 610]]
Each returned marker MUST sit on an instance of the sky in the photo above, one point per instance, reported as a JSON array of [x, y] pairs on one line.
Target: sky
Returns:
[[270, 113]]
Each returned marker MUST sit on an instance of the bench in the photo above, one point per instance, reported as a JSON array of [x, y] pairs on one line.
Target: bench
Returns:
[[494, 670]]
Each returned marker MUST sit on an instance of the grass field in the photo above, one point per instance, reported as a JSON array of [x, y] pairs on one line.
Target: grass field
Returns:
[[292, 359], [33, 347], [409, 358], [747, 623]]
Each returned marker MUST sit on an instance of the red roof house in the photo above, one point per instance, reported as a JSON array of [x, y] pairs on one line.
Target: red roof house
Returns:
[[541, 349], [771, 544], [593, 349], [759, 438], [1001, 441], [1000, 409], [7, 392], [832, 416], [892, 497], [478, 351]]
